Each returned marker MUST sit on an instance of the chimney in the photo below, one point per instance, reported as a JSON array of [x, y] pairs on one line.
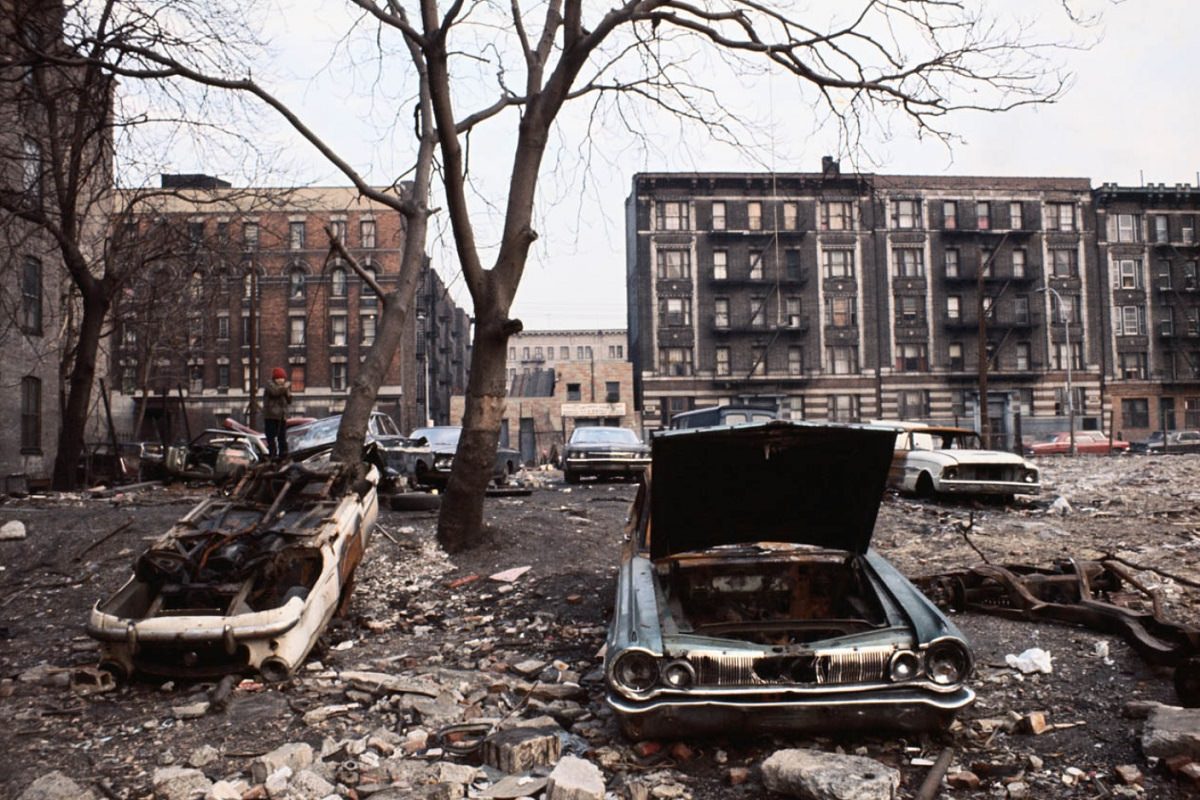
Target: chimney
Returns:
[[829, 167]]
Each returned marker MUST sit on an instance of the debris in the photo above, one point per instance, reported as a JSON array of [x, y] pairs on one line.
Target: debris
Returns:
[[511, 787], [1034, 723], [12, 530], [191, 710], [1035, 659], [56, 786], [1129, 774], [1172, 731], [933, 779], [963, 779], [521, 749], [79, 556], [203, 756], [295, 755], [830, 776], [180, 783], [575, 779], [1061, 506], [509, 575]]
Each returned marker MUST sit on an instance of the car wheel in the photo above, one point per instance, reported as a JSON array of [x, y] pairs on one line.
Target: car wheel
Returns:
[[925, 486], [416, 501], [570, 476]]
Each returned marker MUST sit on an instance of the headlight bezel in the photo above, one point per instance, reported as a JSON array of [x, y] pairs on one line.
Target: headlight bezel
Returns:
[[948, 662], [636, 672]]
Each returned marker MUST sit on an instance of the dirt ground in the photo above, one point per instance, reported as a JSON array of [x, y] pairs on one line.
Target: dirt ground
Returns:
[[415, 608]]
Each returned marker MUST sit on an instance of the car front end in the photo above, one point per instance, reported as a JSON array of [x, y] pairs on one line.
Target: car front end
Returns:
[[988, 477], [597, 459]]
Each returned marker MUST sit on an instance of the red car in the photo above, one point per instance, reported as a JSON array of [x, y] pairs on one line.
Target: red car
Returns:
[[1085, 442]]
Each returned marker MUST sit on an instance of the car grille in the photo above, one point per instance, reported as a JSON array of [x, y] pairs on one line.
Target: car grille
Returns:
[[863, 665], [989, 472]]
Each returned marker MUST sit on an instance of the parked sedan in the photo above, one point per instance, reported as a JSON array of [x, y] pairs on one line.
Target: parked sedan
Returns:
[[760, 606], [604, 451], [1085, 442], [1175, 442], [933, 460], [443, 441]]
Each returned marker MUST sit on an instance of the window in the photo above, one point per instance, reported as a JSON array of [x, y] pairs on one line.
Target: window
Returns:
[[718, 216], [673, 311], [1129, 274], [296, 235], [758, 360], [245, 333], [1021, 309], [1060, 216], [195, 235], [721, 312], [1160, 229], [1064, 263], [564, 352], [366, 325], [756, 265], [1191, 412], [296, 284], [338, 376], [791, 310], [1164, 274], [1129, 320], [837, 215], [1025, 402], [912, 404], [366, 296], [754, 215], [31, 168], [1133, 366], [338, 336], [791, 215], [794, 408], [954, 307], [758, 311], [339, 230], [538, 354], [910, 358], [909, 261], [1018, 263], [1166, 321], [1023, 352], [620, 351], [983, 215], [842, 311], [1129, 227], [195, 331], [222, 377], [906, 213], [672, 215], [792, 264], [951, 263], [908, 308], [337, 282], [949, 214], [297, 371], [578, 353], [223, 327], [842, 360], [839, 263], [1015, 213], [250, 235], [674, 264], [986, 262], [612, 391], [1135, 412], [1192, 319], [675, 360], [720, 265], [31, 296], [366, 233], [1189, 275], [721, 361], [295, 331], [795, 360], [955, 353], [1059, 352], [843, 408], [1188, 230], [573, 392], [31, 415]]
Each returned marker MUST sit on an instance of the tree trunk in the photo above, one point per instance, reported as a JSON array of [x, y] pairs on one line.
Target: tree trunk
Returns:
[[460, 523], [79, 395]]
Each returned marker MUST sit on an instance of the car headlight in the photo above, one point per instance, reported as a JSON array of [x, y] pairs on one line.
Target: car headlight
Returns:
[[904, 666], [947, 662], [635, 671], [678, 675], [950, 473], [443, 462], [1031, 476]]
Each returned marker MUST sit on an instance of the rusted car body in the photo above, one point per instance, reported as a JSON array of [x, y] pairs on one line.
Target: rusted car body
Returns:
[[931, 460], [215, 454], [243, 582], [760, 606], [443, 441]]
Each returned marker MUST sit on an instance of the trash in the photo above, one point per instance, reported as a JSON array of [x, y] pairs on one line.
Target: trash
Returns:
[[1035, 659], [12, 530], [509, 575]]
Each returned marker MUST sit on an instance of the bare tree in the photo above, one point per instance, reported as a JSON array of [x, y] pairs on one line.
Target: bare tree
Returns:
[[918, 59]]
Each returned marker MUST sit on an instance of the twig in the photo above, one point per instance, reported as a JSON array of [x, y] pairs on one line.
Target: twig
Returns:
[[933, 779], [1156, 570], [389, 536], [102, 540], [967, 538]]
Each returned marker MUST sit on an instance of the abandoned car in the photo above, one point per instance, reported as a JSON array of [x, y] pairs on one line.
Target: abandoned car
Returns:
[[443, 440], [1096, 442], [760, 607], [602, 451], [399, 455], [931, 460], [722, 415], [216, 454], [243, 582]]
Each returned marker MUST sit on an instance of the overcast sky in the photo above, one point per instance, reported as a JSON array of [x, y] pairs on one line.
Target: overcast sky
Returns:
[[1131, 114]]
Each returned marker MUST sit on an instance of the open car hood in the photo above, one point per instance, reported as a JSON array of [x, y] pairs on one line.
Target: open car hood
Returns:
[[773, 482]]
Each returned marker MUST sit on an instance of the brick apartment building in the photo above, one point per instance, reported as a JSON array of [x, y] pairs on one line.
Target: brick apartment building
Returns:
[[857, 296], [259, 291], [443, 350], [559, 380]]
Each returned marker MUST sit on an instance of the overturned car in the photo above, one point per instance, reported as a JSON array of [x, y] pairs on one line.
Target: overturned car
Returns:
[[246, 581], [761, 607]]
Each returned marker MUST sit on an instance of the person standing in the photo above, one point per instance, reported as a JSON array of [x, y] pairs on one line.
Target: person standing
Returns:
[[276, 399]]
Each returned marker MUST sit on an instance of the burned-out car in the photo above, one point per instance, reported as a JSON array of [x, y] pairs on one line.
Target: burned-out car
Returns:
[[443, 440], [396, 454], [761, 606], [940, 460], [215, 454], [244, 581]]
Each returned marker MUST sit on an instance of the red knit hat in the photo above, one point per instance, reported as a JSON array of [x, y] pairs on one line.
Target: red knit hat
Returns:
[[278, 374]]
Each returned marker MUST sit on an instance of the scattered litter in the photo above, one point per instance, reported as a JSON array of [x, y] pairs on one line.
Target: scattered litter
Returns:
[[1035, 659]]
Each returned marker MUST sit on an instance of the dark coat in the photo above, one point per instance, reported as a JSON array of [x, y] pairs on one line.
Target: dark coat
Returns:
[[276, 398]]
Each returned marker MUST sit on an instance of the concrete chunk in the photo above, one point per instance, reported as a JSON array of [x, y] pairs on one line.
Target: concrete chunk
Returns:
[[575, 779], [816, 775], [294, 755], [521, 749], [1172, 731], [180, 783], [56, 786]]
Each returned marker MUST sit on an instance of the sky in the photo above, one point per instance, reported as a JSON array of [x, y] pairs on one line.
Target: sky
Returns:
[[1129, 116]]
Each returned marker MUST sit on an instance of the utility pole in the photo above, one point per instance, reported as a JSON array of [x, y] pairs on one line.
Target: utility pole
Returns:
[[252, 332]]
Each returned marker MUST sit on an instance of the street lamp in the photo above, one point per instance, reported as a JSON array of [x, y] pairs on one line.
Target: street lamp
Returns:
[[1070, 357]]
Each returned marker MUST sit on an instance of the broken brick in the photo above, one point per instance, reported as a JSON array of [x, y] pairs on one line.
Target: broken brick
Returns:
[[1128, 774], [964, 779]]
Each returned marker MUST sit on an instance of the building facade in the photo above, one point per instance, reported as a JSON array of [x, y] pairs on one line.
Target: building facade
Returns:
[[852, 297], [258, 288], [443, 350]]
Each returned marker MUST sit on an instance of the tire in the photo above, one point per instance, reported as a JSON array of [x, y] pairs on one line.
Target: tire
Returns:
[[416, 501], [925, 486], [570, 476]]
